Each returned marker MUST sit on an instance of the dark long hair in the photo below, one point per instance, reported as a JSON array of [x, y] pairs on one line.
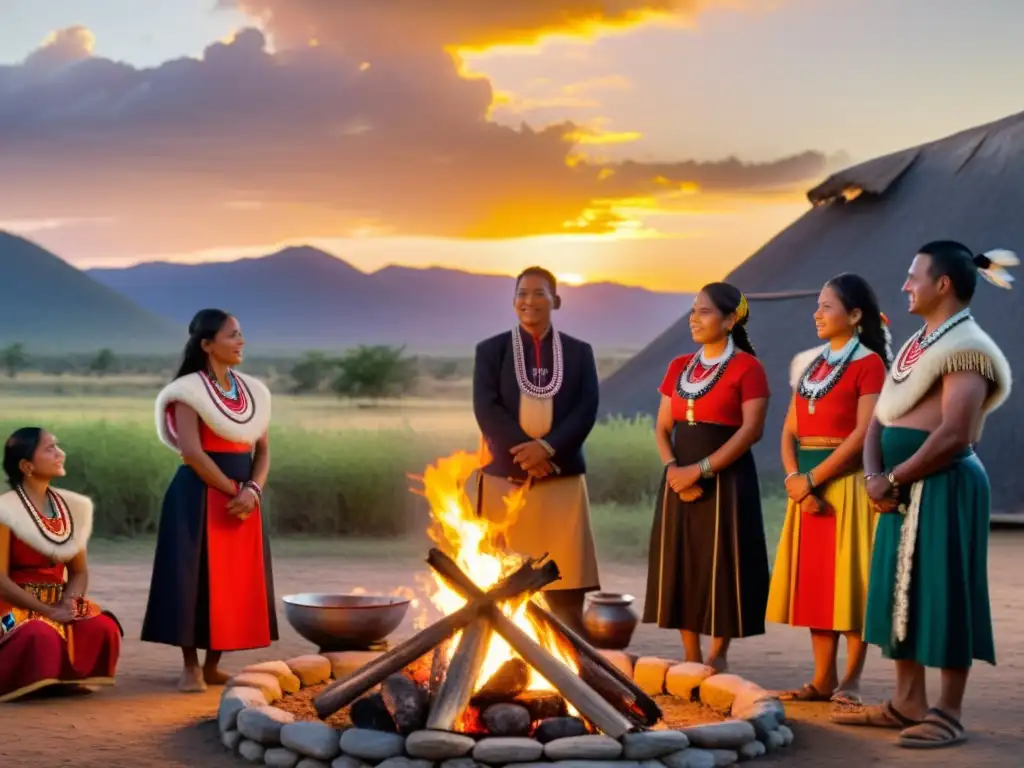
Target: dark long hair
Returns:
[[727, 299], [856, 293], [204, 327], [20, 446]]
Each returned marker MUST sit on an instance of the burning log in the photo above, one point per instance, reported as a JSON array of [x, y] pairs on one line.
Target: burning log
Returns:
[[589, 703], [595, 669], [438, 667], [450, 702], [343, 692], [511, 679]]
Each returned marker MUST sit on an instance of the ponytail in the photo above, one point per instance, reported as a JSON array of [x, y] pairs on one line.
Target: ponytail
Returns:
[[204, 327]]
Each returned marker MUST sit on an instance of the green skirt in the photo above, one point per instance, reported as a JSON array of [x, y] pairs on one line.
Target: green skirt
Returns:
[[949, 618]]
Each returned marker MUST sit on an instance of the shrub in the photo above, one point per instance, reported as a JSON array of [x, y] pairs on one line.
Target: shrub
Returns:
[[352, 482]]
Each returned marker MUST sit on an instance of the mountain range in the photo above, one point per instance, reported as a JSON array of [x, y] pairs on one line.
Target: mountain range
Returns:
[[297, 299]]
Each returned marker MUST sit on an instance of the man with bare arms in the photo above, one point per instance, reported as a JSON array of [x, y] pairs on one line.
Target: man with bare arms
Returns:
[[928, 601]]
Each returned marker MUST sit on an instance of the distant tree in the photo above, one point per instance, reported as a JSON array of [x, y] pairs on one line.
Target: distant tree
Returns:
[[14, 359], [103, 362], [310, 373], [375, 372]]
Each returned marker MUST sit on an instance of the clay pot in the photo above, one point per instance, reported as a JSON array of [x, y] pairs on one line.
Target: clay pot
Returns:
[[609, 620]]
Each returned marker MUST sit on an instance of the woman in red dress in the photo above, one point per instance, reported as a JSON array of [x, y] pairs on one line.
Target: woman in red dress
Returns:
[[50, 634], [212, 586], [820, 579], [708, 567]]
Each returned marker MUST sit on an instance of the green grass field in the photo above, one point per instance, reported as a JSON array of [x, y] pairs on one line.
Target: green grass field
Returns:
[[339, 478]]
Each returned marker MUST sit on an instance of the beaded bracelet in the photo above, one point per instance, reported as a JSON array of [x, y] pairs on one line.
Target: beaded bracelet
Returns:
[[255, 488], [705, 468]]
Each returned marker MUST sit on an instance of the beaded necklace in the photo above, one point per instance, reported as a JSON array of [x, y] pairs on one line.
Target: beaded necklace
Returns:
[[58, 528], [526, 386], [693, 384], [813, 389], [236, 403], [918, 344]]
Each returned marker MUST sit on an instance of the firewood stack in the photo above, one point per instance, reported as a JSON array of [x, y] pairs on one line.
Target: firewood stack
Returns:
[[420, 688]]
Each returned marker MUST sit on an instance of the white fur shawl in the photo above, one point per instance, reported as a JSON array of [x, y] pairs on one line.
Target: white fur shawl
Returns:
[[195, 391], [964, 348], [803, 359], [18, 519]]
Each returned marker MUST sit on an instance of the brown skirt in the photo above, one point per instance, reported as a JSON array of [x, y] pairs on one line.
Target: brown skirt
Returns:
[[554, 519]]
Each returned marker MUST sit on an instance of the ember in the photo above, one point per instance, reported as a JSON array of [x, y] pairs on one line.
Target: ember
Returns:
[[498, 662]]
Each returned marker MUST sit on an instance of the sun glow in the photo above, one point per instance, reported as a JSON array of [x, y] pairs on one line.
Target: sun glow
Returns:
[[571, 278]]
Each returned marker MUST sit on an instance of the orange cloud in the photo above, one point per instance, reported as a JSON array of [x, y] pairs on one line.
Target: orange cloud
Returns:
[[353, 135]]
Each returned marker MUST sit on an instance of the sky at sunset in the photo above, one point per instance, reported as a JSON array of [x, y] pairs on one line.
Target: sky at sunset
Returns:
[[656, 143]]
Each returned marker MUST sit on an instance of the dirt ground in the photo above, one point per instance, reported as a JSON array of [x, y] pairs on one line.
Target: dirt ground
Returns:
[[144, 723]]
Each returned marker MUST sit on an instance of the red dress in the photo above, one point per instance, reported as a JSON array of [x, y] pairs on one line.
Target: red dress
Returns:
[[821, 544], [37, 653], [743, 379]]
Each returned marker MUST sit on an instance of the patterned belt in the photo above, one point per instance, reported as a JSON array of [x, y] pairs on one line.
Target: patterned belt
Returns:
[[50, 594], [821, 442]]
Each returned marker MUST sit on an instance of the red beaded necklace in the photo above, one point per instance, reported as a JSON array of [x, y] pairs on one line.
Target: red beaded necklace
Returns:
[[57, 529]]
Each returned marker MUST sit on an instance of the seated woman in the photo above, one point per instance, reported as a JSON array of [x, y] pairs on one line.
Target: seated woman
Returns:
[[50, 634]]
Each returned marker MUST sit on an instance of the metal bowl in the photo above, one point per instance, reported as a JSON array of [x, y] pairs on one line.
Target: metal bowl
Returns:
[[339, 622]]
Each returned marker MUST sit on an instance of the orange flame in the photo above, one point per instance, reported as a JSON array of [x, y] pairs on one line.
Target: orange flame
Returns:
[[478, 545]]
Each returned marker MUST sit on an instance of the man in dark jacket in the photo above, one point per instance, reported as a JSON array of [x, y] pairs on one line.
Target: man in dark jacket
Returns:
[[535, 397]]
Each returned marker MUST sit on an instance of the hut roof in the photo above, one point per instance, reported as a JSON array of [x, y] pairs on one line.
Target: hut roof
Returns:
[[870, 219]]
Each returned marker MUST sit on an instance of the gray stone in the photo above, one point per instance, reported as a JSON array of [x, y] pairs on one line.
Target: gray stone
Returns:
[[233, 701], [507, 749], [653, 744], [372, 746], [724, 757], [559, 728], [347, 761], [252, 751], [460, 762], [312, 739], [690, 758], [774, 742], [589, 747], [594, 764], [507, 720], [279, 757], [263, 724], [752, 750], [231, 739], [765, 710], [405, 762], [787, 735], [731, 734], [309, 762], [438, 745]]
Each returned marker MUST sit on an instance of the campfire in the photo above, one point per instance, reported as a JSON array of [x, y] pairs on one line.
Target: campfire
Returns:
[[496, 645]]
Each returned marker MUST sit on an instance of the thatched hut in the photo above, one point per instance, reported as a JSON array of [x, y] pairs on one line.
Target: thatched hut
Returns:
[[870, 219]]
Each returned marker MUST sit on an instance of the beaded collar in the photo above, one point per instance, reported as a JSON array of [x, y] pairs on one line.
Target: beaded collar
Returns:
[[692, 385], [812, 389], [57, 529], [918, 344], [526, 386], [236, 403]]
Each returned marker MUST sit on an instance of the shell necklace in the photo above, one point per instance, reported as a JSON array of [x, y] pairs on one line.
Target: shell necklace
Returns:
[[918, 344], [812, 388], [57, 529], [700, 376], [526, 386]]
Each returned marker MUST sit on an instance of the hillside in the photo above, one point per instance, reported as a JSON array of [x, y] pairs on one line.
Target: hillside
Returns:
[[53, 308], [303, 298]]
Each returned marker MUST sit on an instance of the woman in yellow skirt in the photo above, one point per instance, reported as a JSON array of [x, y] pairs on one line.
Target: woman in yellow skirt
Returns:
[[820, 579]]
